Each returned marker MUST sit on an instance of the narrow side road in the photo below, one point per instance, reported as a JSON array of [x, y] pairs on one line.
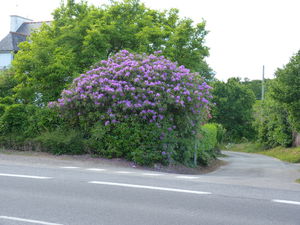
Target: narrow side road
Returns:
[[256, 170]]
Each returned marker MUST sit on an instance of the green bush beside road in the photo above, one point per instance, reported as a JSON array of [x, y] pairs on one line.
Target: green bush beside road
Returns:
[[208, 141], [121, 109]]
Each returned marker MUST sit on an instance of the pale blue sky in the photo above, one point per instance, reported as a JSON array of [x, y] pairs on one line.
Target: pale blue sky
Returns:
[[244, 34]]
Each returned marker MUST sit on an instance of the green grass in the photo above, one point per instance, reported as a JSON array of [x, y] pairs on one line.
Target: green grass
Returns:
[[291, 155], [297, 181], [245, 147]]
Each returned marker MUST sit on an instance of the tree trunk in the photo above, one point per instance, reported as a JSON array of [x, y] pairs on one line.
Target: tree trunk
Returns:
[[296, 139]]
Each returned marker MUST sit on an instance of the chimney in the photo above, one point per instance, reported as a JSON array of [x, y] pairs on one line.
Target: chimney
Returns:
[[16, 22]]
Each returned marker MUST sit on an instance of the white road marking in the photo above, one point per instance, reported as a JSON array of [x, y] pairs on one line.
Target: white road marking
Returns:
[[69, 167], [123, 172], [186, 177], [23, 176], [27, 220], [286, 202], [96, 169], [151, 174], [150, 187]]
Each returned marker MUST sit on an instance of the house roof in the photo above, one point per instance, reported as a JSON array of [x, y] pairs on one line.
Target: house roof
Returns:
[[11, 41], [27, 27], [20, 17]]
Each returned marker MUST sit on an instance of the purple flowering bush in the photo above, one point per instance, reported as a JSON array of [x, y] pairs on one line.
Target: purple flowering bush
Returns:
[[146, 94]]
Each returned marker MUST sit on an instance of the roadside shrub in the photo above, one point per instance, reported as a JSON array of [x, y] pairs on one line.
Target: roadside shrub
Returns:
[[20, 124], [62, 142], [27, 120], [16, 142], [42, 120], [273, 125], [149, 90], [13, 126], [7, 100], [2, 109], [209, 136], [13, 123], [131, 140], [221, 133], [207, 143], [114, 140], [7, 83], [15, 119]]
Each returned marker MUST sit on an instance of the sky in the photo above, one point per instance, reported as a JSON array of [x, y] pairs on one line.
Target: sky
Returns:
[[243, 35]]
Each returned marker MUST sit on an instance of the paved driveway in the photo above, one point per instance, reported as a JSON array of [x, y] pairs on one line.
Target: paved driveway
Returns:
[[256, 170]]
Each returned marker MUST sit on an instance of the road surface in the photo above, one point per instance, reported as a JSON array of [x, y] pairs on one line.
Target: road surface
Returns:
[[249, 190]]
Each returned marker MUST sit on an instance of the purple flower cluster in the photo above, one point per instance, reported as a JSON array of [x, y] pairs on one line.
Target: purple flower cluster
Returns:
[[150, 88]]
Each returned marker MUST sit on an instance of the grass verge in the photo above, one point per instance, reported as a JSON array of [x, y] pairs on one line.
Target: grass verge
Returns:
[[245, 147], [291, 155]]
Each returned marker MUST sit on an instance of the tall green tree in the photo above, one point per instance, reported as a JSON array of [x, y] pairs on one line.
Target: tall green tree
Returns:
[[278, 116], [81, 35], [50, 59], [233, 108], [286, 89], [7, 82], [272, 123], [43, 68], [131, 25]]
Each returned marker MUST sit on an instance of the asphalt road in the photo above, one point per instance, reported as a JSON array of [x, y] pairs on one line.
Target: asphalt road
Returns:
[[251, 189]]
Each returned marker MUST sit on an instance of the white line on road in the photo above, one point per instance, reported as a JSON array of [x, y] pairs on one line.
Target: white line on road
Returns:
[[123, 172], [151, 174], [27, 220], [151, 187], [186, 177], [286, 202], [23, 176], [69, 167], [96, 169]]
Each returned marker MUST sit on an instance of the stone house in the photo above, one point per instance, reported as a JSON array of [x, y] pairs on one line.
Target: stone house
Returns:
[[20, 29]]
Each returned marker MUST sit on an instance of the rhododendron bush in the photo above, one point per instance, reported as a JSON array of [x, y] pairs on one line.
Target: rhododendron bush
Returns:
[[143, 95]]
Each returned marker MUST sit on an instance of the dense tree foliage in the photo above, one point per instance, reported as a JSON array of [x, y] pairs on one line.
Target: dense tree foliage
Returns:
[[7, 82], [272, 123], [233, 108], [81, 35], [278, 116], [256, 86], [286, 89]]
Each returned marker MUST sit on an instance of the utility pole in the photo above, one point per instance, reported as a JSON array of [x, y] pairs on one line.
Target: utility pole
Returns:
[[263, 84]]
